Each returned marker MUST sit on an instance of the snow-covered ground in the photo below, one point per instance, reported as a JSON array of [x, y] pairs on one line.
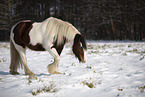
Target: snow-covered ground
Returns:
[[113, 69]]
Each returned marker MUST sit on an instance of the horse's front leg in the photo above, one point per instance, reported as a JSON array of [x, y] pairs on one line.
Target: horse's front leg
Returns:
[[53, 68]]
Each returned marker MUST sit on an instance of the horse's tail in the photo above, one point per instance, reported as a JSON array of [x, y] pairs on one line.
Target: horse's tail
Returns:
[[15, 59]]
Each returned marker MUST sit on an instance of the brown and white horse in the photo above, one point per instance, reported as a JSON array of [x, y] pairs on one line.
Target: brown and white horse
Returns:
[[49, 35]]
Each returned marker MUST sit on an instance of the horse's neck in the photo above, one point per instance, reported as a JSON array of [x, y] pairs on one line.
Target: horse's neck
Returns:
[[58, 30], [72, 31]]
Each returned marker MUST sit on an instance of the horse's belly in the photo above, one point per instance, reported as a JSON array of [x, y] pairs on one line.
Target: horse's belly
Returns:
[[37, 47]]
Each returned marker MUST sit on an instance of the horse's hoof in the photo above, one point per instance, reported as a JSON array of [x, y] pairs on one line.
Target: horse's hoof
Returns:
[[32, 77], [56, 72], [14, 73], [31, 74]]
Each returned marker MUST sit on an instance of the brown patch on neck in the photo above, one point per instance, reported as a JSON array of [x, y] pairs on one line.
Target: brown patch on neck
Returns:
[[59, 48], [21, 36]]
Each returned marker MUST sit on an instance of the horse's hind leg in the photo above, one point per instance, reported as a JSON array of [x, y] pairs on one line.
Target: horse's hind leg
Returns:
[[22, 53], [15, 58], [53, 68]]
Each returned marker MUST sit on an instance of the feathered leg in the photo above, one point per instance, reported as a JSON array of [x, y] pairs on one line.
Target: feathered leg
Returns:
[[53, 68]]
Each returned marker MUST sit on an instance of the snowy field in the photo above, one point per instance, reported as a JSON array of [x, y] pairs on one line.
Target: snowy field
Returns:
[[113, 69]]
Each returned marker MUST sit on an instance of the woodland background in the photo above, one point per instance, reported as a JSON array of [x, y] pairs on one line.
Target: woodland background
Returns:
[[97, 19]]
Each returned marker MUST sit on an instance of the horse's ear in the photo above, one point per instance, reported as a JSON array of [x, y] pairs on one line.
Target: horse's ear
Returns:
[[84, 35]]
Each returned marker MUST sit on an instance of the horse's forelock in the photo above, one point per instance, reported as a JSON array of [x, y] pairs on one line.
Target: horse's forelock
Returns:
[[83, 41]]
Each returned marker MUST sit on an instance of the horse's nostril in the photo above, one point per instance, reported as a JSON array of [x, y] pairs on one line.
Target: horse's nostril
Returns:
[[84, 61]]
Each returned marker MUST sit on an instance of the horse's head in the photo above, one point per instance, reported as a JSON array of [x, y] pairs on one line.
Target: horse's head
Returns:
[[79, 48]]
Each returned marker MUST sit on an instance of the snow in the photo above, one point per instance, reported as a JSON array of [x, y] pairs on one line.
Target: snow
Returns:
[[113, 69]]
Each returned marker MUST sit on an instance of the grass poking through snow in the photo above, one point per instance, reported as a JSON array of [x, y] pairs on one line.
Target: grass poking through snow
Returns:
[[50, 89]]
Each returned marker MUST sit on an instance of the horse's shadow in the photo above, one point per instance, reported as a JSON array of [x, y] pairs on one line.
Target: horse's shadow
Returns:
[[4, 73], [7, 73], [43, 74]]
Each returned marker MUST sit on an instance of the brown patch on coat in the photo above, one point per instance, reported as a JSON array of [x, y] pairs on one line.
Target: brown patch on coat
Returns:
[[21, 36], [77, 48], [59, 47]]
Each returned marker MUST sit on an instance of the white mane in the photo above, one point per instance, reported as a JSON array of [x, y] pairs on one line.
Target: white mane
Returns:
[[57, 30]]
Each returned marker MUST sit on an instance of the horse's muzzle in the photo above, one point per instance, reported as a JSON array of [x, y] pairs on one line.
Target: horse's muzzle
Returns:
[[82, 61]]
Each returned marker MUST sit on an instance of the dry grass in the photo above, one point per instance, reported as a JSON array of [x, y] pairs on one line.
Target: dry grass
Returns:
[[46, 89], [141, 88]]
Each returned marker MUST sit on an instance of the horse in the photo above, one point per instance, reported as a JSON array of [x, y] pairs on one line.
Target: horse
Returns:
[[49, 35]]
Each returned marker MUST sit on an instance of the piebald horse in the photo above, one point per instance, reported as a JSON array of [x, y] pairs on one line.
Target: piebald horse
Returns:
[[49, 35]]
